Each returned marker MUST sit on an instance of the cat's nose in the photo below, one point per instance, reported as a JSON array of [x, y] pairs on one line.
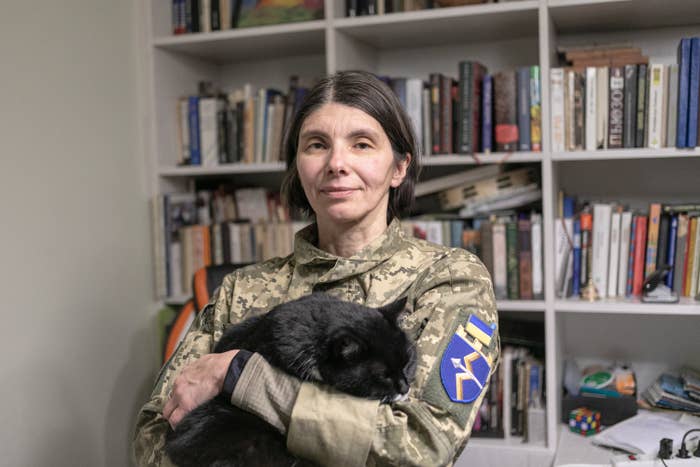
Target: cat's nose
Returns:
[[403, 386]]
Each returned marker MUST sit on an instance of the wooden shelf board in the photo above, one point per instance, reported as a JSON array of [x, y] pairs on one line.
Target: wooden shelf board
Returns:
[[632, 153], [480, 23], [257, 43], [586, 16], [686, 307], [226, 169]]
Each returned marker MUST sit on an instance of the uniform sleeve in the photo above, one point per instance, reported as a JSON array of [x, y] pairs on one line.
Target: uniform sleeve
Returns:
[[428, 429], [151, 427]]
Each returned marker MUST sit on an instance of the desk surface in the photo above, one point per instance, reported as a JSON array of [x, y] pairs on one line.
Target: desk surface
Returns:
[[576, 449]]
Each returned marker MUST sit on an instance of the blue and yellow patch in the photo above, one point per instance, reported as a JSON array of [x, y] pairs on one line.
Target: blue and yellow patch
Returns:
[[464, 369]]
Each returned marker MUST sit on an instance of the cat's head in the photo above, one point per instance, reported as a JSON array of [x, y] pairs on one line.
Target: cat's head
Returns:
[[369, 355]]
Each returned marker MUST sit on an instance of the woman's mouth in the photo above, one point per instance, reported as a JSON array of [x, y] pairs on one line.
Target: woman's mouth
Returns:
[[337, 192]]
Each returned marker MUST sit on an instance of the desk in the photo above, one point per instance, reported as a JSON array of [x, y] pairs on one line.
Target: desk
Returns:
[[576, 449]]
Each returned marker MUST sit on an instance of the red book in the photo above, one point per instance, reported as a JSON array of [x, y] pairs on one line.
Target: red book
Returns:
[[640, 246]]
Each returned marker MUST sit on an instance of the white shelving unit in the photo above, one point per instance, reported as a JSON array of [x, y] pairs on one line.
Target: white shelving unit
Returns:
[[414, 44]]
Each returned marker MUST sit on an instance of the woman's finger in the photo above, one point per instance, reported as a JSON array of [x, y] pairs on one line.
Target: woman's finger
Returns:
[[175, 418]]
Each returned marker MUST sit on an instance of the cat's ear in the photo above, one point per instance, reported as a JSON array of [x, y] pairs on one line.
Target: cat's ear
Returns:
[[346, 348], [392, 311]]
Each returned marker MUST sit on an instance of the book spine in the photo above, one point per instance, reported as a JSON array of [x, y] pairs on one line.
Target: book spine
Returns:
[[525, 258], [693, 286], [683, 93], [505, 114], [537, 271], [591, 109], [694, 92], [586, 245], [630, 256], [435, 112], [617, 105], [602, 91], [640, 238], [209, 147], [426, 122], [500, 262], [557, 89], [625, 232], [523, 108], [576, 280], [642, 90], [656, 92], [602, 214], [215, 16], [512, 260], [629, 133], [535, 109], [689, 256], [466, 70], [414, 101], [445, 114], [476, 109], [569, 110], [681, 247], [193, 120], [672, 91], [614, 253], [579, 111], [487, 114], [652, 238], [671, 254]]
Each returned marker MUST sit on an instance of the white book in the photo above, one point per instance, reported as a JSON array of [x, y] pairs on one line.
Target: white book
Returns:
[[500, 265], [625, 232], [205, 15], [672, 105], [414, 106], [591, 108], [602, 111], [217, 243], [536, 248], [569, 110], [615, 249], [655, 122], [558, 121], [251, 204], [426, 127], [600, 260], [208, 139], [460, 178], [235, 242], [260, 110], [269, 124], [434, 232], [183, 128]]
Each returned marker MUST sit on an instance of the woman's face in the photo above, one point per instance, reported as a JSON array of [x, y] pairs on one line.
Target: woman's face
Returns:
[[346, 165]]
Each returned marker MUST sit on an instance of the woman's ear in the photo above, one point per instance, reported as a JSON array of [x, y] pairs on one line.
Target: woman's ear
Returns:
[[400, 171]]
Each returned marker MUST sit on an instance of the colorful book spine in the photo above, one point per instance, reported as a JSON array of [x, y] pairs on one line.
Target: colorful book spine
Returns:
[[535, 109], [193, 121], [652, 238], [671, 254], [683, 92], [640, 238], [586, 243], [689, 256], [504, 94]]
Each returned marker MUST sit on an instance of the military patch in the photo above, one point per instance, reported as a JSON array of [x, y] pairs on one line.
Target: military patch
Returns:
[[464, 369]]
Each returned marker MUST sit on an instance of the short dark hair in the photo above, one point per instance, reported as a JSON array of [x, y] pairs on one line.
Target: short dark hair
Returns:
[[366, 92]]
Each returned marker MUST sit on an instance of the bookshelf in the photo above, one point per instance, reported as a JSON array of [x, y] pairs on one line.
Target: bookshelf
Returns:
[[414, 44]]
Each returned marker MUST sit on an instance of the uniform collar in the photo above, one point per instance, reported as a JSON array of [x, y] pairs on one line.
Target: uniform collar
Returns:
[[379, 250]]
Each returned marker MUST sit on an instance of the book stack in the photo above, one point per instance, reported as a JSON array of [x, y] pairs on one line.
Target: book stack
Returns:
[[618, 248], [240, 126], [380, 7], [612, 97], [517, 388], [192, 16], [478, 112], [671, 391], [194, 230]]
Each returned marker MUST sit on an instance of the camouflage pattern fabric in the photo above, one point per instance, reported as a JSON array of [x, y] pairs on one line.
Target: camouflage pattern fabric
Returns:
[[444, 287]]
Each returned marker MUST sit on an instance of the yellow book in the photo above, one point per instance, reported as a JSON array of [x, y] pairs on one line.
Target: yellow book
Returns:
[[687, 277]]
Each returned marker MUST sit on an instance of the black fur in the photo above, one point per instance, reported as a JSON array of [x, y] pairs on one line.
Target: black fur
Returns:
[[353, 348]]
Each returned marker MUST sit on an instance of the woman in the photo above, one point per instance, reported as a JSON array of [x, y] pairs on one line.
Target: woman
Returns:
[[353, 163]]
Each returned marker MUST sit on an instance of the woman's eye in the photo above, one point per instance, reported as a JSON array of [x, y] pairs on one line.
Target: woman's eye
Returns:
[[362, 146], [314, 146]]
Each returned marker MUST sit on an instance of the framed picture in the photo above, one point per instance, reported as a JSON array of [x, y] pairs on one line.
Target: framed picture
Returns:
[[265, 12]]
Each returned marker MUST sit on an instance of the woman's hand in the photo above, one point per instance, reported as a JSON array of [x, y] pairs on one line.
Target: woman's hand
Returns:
[[197, 383]]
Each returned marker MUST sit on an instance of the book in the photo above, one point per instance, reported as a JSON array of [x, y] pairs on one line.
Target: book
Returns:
[[487, 114], [690, 257], [209, 142], [671, 253], [652, 238], [629, 132], [525, 258], [557, 112], [602, 107], [672, 111], [523, 108], [537, 270], [616, 107], [505, 116], [469, 109], [615, 247], [642, 91], [656, 112], [563, 237], [683, 93], [535, 109], [640, 239], [576, 276], [591, 109], [600, 259], [681, 253], [193, 126], [694, 272], [630, 256], [512, 260], [625, 233], [438, 184], [500, 265], [662, 249], [579, 110], [586, 245], [694, 92]]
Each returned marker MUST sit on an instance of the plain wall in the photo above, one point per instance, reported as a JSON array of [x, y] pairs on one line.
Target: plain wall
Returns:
[[76, 346]]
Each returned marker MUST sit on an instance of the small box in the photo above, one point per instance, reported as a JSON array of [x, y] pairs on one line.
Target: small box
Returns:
[[584, 421]]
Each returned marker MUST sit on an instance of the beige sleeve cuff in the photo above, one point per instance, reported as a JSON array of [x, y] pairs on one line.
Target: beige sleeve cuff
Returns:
[[267, 392], [330, 427]]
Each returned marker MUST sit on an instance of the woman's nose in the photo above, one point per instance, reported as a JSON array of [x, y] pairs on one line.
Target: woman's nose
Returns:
[[337, 160]]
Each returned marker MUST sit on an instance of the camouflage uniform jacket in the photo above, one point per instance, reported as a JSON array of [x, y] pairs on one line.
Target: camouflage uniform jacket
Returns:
[[444, 287]]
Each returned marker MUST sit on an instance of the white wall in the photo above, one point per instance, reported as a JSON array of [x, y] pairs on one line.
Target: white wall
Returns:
[[76, 346]]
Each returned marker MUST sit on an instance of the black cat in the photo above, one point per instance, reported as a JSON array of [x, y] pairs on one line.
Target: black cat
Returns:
[[353, 348]]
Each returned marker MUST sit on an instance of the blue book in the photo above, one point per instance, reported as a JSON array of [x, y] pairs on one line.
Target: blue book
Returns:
[[683, 88], [193, 120], [671, 255], [487, 114], [456, 227], [576, 289], [523, 108], [694, 92]]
